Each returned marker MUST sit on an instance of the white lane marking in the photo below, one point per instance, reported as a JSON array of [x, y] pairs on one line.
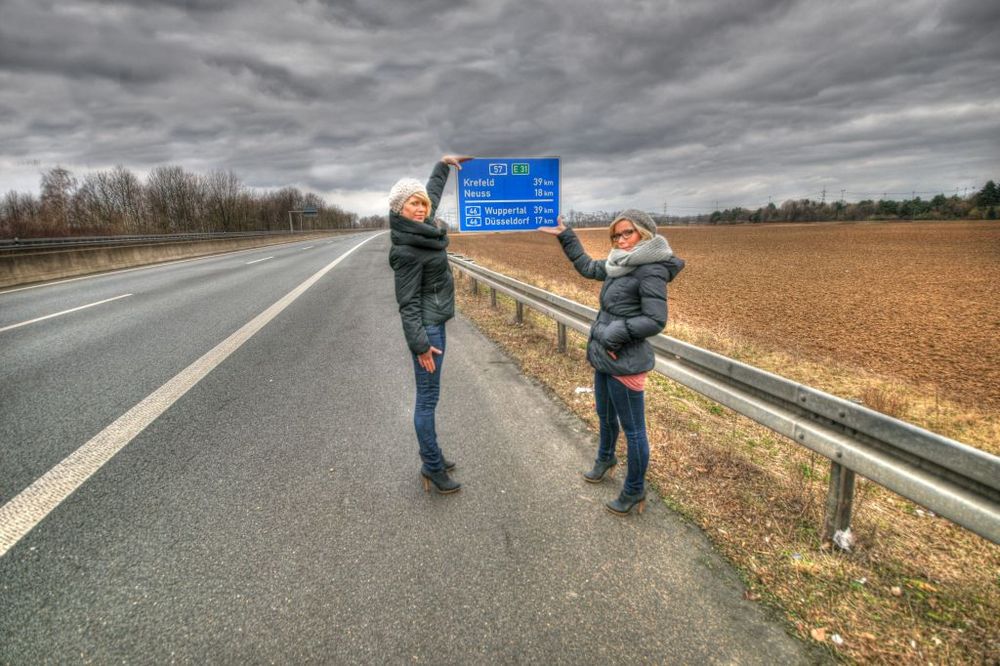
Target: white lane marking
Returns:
[[308, 247], [57, 314], [25, 510], [259, 260]]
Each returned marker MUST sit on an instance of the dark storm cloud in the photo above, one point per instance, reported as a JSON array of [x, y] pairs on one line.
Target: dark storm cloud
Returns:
[[184, 5], [378, 14], [56, 125], [268, 79], [646, 101], [62, 49], [975, 19]]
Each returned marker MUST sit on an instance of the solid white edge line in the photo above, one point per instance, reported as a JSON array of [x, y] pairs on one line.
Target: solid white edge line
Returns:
[[29, 507], [259, 260], [57, 314]]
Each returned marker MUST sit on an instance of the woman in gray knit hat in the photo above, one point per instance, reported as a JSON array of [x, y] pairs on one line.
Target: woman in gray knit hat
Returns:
[[633, 308], [425, 293]]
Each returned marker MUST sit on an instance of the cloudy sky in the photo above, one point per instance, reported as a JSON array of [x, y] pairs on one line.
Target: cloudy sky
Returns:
[[646, 102]]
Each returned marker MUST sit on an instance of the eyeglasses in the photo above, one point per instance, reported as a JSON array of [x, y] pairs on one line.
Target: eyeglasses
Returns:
[[624, 234]]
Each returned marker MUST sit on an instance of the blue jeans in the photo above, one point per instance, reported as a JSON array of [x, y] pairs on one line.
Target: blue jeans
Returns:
[[616, 403], [428, 391]]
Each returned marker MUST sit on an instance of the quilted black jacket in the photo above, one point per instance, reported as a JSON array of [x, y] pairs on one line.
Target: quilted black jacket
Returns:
[[633, 308], [425, 290]]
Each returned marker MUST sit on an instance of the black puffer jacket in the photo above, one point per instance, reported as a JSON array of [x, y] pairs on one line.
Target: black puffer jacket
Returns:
[[633, 308], [425, 289]]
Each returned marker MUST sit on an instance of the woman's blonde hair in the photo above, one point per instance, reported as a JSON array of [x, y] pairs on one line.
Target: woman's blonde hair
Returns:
[[423, 197], [644, 234]]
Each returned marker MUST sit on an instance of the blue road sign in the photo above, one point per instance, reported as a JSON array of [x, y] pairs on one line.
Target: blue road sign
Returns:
[[508, 193], [310, 212]]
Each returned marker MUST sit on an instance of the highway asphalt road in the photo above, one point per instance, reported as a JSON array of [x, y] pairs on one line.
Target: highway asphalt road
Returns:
[[259, 501]]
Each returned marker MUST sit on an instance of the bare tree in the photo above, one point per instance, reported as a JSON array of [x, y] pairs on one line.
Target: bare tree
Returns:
[[169, 201], [58, 186], [174, 200], [274, 206], [19, 215], [225, 203], [373, 222], [94, 205], [128, 199]]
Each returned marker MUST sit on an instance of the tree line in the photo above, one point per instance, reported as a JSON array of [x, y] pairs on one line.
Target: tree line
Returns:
[[982, 205], [170, 200]]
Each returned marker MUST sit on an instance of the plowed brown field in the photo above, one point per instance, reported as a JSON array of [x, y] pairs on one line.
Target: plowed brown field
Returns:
[[916, 301]]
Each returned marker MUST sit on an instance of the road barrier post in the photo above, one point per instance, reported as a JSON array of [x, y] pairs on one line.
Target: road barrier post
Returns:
[[839, 502]]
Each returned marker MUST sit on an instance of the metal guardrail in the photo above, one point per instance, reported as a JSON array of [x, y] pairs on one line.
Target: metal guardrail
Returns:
[[12, 245], [955, 480]]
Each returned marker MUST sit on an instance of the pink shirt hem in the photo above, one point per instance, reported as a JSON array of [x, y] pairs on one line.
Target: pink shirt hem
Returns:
[[633, 382]]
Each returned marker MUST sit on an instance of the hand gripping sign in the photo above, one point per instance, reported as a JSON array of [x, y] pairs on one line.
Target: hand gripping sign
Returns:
[[508, 193]]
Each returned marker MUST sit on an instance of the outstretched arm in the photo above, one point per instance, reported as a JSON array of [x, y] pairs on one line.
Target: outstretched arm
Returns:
[[585, 266], [439, 176]]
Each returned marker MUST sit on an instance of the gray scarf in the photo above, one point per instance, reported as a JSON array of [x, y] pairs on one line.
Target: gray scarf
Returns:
[[620, 262]]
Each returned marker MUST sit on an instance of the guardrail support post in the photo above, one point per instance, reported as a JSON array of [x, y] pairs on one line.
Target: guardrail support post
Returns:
[[474, 286], [561, 331], [493, 297], [519, 313], [839, 501]]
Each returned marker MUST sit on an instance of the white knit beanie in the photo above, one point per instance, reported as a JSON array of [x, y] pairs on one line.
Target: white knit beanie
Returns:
[[638, 218], [403, 190]]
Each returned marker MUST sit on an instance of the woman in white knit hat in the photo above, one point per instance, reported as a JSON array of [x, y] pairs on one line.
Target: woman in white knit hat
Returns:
[[425, 292], [633, 307]]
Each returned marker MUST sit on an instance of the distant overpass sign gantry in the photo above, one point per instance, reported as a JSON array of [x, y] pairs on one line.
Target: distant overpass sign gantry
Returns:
[[308, 211]]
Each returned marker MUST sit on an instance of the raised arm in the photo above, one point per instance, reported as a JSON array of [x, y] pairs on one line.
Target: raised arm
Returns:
[[585, 266], [439, 176]]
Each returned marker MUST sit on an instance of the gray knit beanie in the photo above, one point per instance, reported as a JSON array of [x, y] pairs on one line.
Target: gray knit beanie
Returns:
[[403, 190], [636, 217]]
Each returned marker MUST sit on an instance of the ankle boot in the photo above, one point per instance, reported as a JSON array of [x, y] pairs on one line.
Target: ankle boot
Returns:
[[601, 467], [623, 505], [448, 464], [442, 483]]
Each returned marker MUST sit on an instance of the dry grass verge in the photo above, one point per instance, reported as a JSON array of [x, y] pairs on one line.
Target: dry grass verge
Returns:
[[914, 589]]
